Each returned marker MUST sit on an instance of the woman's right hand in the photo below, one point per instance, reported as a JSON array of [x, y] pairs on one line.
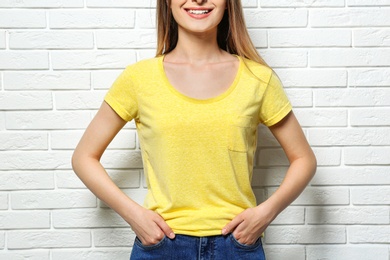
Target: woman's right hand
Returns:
[[149, 226]]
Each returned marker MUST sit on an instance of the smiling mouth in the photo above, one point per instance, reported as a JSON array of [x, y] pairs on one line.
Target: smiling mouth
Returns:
[[198, 12]]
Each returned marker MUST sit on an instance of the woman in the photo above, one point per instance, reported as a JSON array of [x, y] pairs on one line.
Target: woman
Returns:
[[197, 106]]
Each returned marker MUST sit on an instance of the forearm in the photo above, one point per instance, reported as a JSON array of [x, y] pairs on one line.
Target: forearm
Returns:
[[297, 177], [94, 176]]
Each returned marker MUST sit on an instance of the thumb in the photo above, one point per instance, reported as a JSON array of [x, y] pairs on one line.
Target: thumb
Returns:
[[165, 228], [232, 225]]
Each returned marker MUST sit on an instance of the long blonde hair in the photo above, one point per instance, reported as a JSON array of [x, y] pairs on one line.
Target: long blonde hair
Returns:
[[232, 35]]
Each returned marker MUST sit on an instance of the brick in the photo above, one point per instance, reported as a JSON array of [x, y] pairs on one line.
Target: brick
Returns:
[[26, 180], [352, 17], [48, 239], [351, 176], [293, 3], [92, 60], [259, 37], [368, 3], [87, 218], [372, 38], [85, 19], [2, 121], [23, 141], [2, 40], [25, 220], [53, 200], [249, 3], [103, 79], [42, 3], [371, 196], [370, 117], [25, 254], [122, 159], [22, 19], [377, 77], [79, 100], [267, 18], [362, 57], [12, 60], [92, 254], [45, 120], [313, 77], [145, 54], [300, 97], [35, 160], [51, 40], [126, 39], [281, 251], [369, 234], [310, 38], [352, 97], [349, 136], [68, 180], [26, 101], [3, 201], [305, 235], [121, 3], [285, 58], [62, 140], [146, 19], [2, 240], [342, 252], [366, 156], [323, 196], [291, 215], [321, 117], [122, 237], [348, 215], [44, 80]]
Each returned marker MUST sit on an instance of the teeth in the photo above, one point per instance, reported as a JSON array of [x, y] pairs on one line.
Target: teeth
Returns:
[[198, 11]]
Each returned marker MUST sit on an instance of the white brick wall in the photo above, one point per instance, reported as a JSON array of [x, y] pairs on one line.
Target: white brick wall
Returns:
[[59, 57]]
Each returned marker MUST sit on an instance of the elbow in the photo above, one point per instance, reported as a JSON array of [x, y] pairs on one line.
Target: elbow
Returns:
[[312, 163]]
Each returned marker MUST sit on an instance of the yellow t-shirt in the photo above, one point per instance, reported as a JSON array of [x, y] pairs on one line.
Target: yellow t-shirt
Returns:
[[198, 154]]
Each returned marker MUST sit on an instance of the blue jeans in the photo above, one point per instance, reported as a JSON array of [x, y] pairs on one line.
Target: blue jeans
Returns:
[[198, 248]]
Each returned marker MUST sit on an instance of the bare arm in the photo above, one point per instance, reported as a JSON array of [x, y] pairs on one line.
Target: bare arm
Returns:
[[148, 226], [251, 223]]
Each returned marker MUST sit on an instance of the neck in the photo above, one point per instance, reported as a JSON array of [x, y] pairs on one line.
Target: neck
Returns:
[[196, 48]]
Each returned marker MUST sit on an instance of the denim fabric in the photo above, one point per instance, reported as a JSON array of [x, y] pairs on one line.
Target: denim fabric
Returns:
[[198, 248]]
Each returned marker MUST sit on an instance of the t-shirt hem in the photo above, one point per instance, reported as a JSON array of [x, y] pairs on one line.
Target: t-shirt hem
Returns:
[[111, 101], [279, 116]]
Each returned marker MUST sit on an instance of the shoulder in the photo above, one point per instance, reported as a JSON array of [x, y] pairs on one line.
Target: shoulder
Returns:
[[145, 66], [258, 71]]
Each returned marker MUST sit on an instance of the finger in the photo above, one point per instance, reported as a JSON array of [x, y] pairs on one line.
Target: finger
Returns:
[[165, 228], [232, 225]]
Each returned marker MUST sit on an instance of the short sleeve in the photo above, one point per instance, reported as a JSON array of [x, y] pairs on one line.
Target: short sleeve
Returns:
[[274, 104], [121, 96]]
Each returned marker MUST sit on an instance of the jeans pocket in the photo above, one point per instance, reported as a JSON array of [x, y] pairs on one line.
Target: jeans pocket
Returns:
[[245, 246], [138, 242]]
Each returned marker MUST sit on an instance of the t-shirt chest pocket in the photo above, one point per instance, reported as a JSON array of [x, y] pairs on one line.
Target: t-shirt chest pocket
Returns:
[[241, 134]]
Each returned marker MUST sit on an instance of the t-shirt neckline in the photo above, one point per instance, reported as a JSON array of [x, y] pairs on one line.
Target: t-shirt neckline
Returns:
[[197, 100]]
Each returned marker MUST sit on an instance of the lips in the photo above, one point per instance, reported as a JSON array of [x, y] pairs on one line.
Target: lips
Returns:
[[198, 11], [191, 11]]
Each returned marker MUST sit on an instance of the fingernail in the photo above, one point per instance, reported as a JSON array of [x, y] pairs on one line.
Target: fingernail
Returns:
[[224, 232], [171, 235]]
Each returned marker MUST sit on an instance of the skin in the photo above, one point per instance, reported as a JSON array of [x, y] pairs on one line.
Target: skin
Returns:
[[196, 56]]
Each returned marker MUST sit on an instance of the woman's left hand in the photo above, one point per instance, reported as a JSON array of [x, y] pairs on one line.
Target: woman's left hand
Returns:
[[249, 225]]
